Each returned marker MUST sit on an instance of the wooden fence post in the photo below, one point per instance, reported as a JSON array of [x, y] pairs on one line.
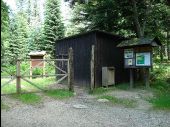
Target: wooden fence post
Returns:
[[92, 68], [43, 68], [30, 69], [70, 70], [18, 80]]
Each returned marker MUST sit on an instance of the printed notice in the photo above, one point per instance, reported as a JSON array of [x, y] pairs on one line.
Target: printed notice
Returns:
[[143, 59]]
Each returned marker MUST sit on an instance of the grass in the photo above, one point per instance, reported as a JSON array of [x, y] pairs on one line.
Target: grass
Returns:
[[129, 103], [123, 86], [30, 98], [161, 102], [101, 90], [161, 99], [25, 86], [4, 106], [59, 93]]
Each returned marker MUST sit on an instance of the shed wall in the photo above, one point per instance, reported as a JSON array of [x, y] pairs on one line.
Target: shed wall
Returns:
[[108, 55], [82, 54]]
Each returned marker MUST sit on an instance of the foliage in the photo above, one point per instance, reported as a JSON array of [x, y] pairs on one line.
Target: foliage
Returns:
[[160, 71], [53, 26], [161, 86], [28, 98], [35, 39], [120, 101], [59, 93], [18, 37], [4, 27], [118, 16], [161, 102], [37, 71]]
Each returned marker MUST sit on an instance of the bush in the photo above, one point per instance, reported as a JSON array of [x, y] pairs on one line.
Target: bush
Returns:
[[159, 72], [24, 66], [161, 86], [37, 71], [11, 69], [161, 101]]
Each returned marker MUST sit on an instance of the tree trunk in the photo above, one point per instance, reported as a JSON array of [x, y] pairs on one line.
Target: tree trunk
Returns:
[[168, 45], [161, 53], [136, 19]]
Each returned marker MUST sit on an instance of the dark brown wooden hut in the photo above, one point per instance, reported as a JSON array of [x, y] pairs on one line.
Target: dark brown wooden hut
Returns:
[[106, 55]]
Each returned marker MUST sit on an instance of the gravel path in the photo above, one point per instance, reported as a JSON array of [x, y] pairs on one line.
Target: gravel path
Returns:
[[62, 113]]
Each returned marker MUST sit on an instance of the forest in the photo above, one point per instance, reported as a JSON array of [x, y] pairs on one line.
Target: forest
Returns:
[[26, 30], [37, 24]]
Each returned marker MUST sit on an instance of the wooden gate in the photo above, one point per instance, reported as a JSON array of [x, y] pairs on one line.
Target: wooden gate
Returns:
[[60, 73]]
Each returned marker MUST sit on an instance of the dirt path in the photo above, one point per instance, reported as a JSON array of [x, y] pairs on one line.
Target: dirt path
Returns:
[[63, 113]]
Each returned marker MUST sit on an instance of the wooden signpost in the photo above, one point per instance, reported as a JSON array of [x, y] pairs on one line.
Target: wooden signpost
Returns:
[[138, 55]]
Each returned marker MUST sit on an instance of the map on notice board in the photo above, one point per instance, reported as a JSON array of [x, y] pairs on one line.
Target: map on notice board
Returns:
[[143, 59]]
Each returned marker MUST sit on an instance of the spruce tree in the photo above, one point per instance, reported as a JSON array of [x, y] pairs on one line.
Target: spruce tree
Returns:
[[18, 46], [4, 27], [53, 26]]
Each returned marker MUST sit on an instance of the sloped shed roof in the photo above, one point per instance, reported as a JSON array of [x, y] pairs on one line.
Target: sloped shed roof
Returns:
[[90, 32], [37, 53], [140, 42]]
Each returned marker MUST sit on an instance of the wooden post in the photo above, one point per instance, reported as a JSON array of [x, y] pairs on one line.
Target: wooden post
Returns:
[[131, 78], [18, 80], [43, 68], [70, 70], [92, 68], [146, 77], [30, 69]]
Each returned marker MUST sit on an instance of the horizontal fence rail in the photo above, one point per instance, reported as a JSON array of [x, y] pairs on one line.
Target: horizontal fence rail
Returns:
[[60, 68]]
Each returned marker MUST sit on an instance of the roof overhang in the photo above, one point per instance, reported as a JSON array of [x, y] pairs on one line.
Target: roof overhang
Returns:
[[139, 42], [37, 53]]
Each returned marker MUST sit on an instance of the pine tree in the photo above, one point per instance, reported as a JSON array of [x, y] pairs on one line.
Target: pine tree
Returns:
[[18, 47], [53, 26], [4, 27]]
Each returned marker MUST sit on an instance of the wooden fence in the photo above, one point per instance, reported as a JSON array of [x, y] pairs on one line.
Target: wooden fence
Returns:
[[59, 72]]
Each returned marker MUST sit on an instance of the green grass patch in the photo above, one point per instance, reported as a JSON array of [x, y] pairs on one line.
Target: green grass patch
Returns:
[[4, 106], [43, 83], [161, 102], [161, 99], [10, 88], [161, 86], [29, 98], [123, 86], [129, 103], [101, 90], [59, 93]]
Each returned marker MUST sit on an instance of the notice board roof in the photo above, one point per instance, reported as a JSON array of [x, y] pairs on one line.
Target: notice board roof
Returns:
[[136, 42]]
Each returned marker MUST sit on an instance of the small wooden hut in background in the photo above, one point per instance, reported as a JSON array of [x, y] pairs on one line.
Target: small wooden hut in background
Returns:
[[37, 60]]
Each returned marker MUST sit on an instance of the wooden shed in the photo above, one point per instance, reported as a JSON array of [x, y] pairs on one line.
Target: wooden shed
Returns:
[[106, 54]]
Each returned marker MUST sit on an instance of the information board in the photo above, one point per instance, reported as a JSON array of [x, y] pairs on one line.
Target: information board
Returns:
[[128, 53], [143, 59]]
